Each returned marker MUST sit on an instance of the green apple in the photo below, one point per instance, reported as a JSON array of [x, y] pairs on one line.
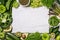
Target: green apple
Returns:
[[45, 36], [58, 37]]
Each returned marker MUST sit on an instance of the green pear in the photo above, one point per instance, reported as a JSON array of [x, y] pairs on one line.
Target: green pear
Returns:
[[58, 37], [45, 36]]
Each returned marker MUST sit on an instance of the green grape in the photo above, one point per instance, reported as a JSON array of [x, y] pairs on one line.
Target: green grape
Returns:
[[36, 3], [15, 4]]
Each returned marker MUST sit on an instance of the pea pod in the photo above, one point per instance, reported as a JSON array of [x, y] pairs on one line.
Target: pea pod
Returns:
[[53, 21]]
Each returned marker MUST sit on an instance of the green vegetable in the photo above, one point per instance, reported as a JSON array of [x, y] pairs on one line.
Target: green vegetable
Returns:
[[51, 30], [58, 1], [57, 33], [54, 30], [2, 2], [15, 4], [53, 21], [18, 34], [45, 36], [58, 37], [8, 38], [35, 3], [34, 36], [12, 36], [48, 3], [2, 35], [8, 4], [56, 9], [1, 29], [2, 9], [6, 20]]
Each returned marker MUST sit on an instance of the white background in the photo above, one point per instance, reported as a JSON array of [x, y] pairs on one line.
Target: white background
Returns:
[[27, 19]]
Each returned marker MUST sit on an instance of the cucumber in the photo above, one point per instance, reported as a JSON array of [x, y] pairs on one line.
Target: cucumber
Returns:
[[13, 36], [8, 38]]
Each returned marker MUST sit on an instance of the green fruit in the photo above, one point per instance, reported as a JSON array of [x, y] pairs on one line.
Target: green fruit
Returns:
[[35, 3], [58, 37], [45, 36], [15, 4], [53, 21], [2, 9]]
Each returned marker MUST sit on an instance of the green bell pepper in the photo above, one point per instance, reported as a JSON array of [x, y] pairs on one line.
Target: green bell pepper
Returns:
[[2, 35], [2, 9]]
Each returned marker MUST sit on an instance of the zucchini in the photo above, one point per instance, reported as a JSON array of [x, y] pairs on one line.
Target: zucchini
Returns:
[[8, 38], [13, 36]]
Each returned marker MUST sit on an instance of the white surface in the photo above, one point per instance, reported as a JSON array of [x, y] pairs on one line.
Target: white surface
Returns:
[[26, 19]]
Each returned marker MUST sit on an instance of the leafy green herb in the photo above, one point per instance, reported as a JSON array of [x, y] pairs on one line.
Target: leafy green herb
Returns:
[[48, 3], [34, 36]]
